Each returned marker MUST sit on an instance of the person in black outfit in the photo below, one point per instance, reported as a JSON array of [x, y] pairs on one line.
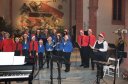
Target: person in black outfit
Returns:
[[25, 48], [100, 51], [120, 48]]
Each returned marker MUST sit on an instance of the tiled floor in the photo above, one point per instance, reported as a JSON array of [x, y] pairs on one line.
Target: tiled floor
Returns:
[[77, 75]]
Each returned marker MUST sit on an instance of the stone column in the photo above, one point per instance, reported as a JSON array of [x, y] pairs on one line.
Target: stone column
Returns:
[[93, 7], [70, 15], [79, 15], [10, 11]]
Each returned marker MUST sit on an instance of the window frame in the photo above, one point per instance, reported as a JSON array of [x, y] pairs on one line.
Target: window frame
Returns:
[[122, 21]]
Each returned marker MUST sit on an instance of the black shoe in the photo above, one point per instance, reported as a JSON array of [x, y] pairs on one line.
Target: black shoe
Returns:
[[47, 66], [41, 67], [93, 68], [86, 66], [101, 77], [66, 70], [81, 65]]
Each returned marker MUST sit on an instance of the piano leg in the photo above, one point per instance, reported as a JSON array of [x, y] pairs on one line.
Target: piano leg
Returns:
[[7, 82], [29, 81]]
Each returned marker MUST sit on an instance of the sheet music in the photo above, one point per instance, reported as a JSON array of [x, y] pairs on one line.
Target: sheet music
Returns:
[[18, 60], [6, 58]]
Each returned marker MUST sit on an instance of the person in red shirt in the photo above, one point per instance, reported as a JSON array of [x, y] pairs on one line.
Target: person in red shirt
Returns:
[[79, 41], [33, 49], [92, 40], [7, 43], [83, 43], [17, 47], [1, 39], [0, 45]]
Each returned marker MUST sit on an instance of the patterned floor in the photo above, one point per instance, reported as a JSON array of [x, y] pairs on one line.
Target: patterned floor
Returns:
[[77, 75]]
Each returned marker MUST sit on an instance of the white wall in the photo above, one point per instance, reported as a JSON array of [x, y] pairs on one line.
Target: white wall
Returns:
[[104, 20]]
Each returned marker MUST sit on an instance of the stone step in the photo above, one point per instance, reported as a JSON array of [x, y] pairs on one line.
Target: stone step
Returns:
[[75, 56]]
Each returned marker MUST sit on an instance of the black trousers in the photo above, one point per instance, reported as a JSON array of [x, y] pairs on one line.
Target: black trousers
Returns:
[[59, 53], [17, 53], [25, 53], [40, 62], [48, 57], [33, 58], [81, 50], [85, 56], [100, 56], [92, 57], [67, 56]]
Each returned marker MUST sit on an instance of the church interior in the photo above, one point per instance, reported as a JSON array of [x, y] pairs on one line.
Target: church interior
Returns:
[[108, 16]]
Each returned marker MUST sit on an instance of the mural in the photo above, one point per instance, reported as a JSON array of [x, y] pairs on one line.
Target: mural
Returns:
[[40, 15]]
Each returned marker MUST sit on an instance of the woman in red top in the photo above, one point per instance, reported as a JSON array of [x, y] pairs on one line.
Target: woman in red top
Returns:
[[33, 49], [7, 43], [17, 47]]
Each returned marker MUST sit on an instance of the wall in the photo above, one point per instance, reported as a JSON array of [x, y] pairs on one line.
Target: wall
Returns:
[[1, 8], [126, 14], [104, 14], [126, 23], [73, 12], [85, 14], [104, 20], [18, 3], [4, 9]]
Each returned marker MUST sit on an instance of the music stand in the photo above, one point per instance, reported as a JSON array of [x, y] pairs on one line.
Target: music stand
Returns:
[[111, 45], [58, 60], [99, 69], [119, 54]]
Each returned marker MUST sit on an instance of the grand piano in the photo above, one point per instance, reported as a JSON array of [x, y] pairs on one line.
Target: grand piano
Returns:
[[11, 71]]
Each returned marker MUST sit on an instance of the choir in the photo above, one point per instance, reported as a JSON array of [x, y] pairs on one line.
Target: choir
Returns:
[[37, 45]]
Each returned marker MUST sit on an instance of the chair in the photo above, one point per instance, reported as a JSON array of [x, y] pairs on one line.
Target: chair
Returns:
[[109, 70]]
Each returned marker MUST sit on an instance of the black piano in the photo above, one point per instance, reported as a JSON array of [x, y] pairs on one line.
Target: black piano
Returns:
[[9, 73]]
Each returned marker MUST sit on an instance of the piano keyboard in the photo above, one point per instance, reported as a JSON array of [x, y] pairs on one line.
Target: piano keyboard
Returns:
[[16, 72], [14, 76]]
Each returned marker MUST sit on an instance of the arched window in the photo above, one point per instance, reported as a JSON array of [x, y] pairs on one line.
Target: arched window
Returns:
[[118, 12]]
